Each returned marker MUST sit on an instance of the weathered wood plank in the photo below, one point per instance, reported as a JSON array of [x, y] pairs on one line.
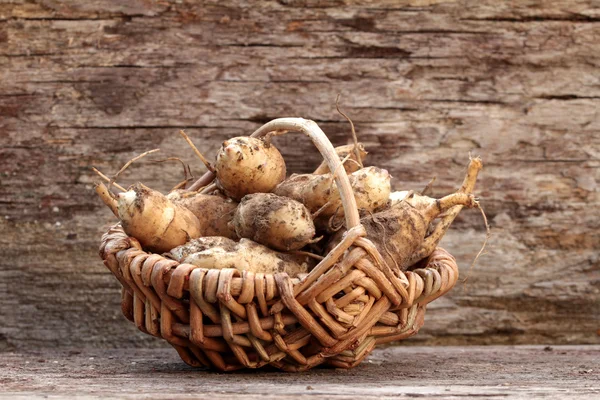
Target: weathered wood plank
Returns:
[[426, 82], [519, 372]]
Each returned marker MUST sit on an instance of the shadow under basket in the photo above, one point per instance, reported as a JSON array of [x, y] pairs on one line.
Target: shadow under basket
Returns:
[[229, 319]]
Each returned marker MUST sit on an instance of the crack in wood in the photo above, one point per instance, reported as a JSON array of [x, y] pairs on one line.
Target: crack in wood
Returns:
[[543, 160], [566, 97], [74, 19], [387, 108], [546, 18], [495, 102], [146, 126]]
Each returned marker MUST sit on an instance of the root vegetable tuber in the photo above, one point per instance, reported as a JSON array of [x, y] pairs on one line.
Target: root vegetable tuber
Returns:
[[371, 186], [352, 164], [400, 232], [149, 216], [278, 222], [220, 252], [214, 212], [440, 229], [416, 200], [248, 165]]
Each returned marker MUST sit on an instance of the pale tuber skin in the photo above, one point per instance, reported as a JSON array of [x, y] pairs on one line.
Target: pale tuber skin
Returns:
[[213, 211], [275, 221], [197, 245], [416, 200], [150, 217], [400, 232], [220, 252], [351, 164], [371, 186], [248, 165]]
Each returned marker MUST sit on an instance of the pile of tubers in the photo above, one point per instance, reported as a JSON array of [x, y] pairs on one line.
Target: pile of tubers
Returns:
[[254, 217]]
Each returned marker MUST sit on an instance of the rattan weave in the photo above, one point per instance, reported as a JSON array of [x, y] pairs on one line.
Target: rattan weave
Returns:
[[228, 319]]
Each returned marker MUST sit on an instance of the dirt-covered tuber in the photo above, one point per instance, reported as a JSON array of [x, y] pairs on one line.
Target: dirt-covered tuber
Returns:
[[319, 193], [220, 252], [248, 165], [278, 222], [213, 211], [402, 233], [155, 221]]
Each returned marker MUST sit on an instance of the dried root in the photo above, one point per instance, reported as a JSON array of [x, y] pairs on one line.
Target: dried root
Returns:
[[107, 179], [200, 155], [127, 164]]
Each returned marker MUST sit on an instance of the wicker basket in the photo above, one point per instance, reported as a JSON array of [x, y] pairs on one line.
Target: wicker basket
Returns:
[[227, 319]]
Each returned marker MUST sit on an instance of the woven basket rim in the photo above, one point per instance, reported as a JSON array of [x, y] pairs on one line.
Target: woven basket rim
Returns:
[[116, 240], [338, 312]]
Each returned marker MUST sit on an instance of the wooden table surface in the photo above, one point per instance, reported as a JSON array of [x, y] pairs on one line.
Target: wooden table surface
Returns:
[[515, 372]]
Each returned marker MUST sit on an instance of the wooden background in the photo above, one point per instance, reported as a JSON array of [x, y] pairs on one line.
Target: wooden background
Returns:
[[87, 83]]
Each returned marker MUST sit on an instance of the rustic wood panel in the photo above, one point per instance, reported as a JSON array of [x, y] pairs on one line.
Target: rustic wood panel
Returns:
[[426, 82], [440, 373]]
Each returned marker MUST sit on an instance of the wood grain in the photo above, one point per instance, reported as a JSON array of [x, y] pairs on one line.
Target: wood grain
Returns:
[[440, 373], [425, 82]]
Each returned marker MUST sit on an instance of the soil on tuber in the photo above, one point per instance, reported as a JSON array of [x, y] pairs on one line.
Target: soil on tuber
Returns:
[[401, 233], [245, 255], [215, 212], [275, 221], [248, 165], [149, 216]]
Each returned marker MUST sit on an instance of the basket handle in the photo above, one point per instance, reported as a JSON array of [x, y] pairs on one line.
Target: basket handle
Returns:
[[322, 143]]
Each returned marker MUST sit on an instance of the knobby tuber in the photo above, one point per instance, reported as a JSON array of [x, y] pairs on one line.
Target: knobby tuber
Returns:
[[400, 232], [149, 216], [371, 186], [245, 255], [214, 212], [248, 165], [275, 221]]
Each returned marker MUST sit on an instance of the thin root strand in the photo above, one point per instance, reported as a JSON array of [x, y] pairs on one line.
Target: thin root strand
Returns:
[[320, 210], [187, 173], [200, 155], [209, 188], [354, 137], [331, 223], [487, 237], [267, 138], [315, 240], [182, 184], [385, 240], [115, 176], [107, 179]]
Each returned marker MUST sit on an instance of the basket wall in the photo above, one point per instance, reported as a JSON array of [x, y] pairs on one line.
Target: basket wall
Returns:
[[227, 319]]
